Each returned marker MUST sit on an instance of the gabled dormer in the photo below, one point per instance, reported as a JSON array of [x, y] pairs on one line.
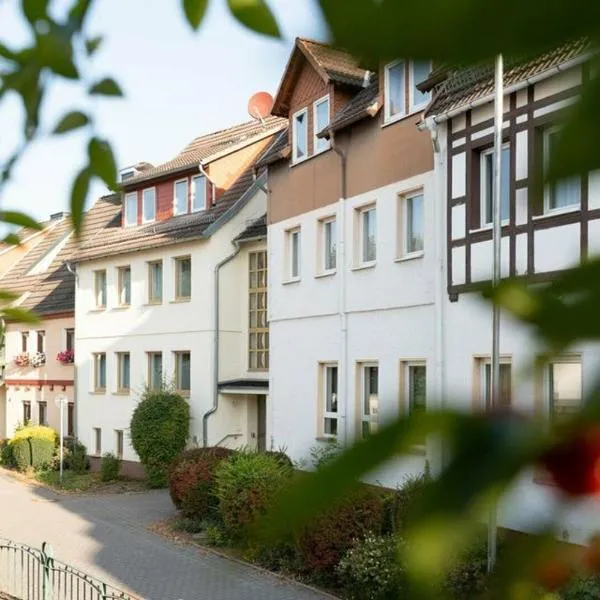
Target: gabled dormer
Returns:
[[318, 81]]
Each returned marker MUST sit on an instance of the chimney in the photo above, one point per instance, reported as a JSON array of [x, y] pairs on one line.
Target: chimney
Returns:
[[57, 216]]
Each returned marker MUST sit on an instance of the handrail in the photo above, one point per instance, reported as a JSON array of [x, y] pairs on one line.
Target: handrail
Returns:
[[233, 435]]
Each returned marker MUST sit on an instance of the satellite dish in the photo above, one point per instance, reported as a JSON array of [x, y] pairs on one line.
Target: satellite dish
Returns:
[[260, 105]]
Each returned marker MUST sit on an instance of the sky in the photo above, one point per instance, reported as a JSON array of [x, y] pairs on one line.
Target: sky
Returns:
[[178, 84]]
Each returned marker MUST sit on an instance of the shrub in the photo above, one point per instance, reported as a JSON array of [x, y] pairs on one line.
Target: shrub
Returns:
[[467, 578], [281, 556], [281, 457], [324, 453], [215, 536], [192, 481], [401, 502], [159, 431], [75, 456], [371, 570], [36, 431], [245, 486], [582, 588], [33, 446], [110, 467], [6, 456], [323, 543], [188, 525]]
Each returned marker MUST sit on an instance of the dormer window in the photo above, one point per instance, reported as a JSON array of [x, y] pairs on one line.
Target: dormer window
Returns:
[[180, 200], [402, 97], [419, 71], [130, 209], [300, 135], [394, 90], [320, 121], [149, 205], [198, 193]]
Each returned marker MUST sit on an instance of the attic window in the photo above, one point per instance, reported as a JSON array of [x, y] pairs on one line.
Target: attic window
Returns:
[[300, 135], [402, 97], [320, 121], [130, 210], [419, 71]]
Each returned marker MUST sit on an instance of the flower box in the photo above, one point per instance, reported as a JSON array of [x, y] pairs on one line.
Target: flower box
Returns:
[[22, 360], [38, 360], [66, 357]]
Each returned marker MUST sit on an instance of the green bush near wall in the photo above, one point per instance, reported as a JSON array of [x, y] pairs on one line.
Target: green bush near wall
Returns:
[[33, 447]]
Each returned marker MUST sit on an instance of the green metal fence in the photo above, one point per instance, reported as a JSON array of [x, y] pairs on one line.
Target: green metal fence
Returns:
[[31, 574]]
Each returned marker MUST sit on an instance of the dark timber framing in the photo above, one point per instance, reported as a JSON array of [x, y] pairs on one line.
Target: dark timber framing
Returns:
[[519, 119]]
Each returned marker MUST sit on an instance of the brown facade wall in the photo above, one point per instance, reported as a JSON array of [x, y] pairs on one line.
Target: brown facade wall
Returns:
[[129, 468]]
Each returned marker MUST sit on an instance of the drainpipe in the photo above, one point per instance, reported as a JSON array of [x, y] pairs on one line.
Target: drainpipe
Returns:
[[212, 183], [74, 273], [343, 371], [216, 345]]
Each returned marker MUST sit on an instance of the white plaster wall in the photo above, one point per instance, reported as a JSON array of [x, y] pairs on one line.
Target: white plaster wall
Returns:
[[521, 155], [548, 241], [481, 260], [594, 189], [557, 83], [459, 168], [459, 221]]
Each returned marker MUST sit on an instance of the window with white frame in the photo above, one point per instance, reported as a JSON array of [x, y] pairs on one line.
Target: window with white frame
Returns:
[[155, 282], [415, 389], [183, 371], [300, 135], [42, 413], [330, 400], [124, 285], [258, 325], [131, 209], [198, 193], [99, 375], [563, 193], [24, 341], [155, 370], [487, 185], [100, 288], [329, 244], [505, 396], [564, 387], [70, 339], [119, 443], [412, 224], [149, 205], [183, 278], [180, 197], [320, 121], [123, 372], [97, 440], [395, 90], [369, 398], [419, 71], [367, 234], [26, 412], [41, 341], [294, 249]]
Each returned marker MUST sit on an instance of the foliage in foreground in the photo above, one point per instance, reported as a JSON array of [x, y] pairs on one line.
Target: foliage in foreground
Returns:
[[110, 467]]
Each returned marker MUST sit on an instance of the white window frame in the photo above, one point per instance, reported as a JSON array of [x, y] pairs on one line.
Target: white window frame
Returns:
[[177, 266], [177, 375], [70, 332], [187, 196], [560, 359], [97, 439], [150, 359], [96, 362], [42, 404], [100, 290], [121, 389], [403, 201], [483, 187], [144, 202], [413, 108], [121, 288], [388, 117], [364, 418], [295, 157], [119, 443], [360, 215], [324, 143], [546, 133], [325, 414], [151, 264], [323, 269], [194, 180], [290, 234], [126, 222]]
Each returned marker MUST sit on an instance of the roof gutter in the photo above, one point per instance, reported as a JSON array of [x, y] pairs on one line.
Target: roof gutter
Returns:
[[512, 88]]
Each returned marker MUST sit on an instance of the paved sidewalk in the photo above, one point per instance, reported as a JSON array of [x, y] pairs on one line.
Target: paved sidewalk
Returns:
[[106, 536]]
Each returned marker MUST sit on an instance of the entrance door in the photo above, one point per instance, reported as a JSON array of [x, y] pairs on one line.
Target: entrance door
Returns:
[[261, 427]]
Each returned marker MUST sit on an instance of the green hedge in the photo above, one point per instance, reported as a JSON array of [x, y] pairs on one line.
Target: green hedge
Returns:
[[110, 467], [33, 447]]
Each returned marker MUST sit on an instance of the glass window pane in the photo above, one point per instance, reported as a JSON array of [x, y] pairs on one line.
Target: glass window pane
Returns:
[[565, 389], [565, 192], [198, 193], [181, 197], [295, 254], [331, 383], [420, 72], [487, 189], [131, 209], [330, 245], [414, 222], [505, 384], [184, 373], [417, 388], [321, 116], [149, 202], [370, 393], [300, 135], [184, 278], [156, 281], [395, 89], [369, 242]]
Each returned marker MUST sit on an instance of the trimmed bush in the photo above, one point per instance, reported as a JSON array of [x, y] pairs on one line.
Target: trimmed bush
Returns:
[[334, 532], [159, 431], [245, 487], [192, 481], [110, 467], [6, 455], [371, 570], [33, 447], [75, 456], [36, 431]]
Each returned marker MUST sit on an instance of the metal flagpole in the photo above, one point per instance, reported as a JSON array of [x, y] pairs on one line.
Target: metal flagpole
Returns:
[[494, 396]]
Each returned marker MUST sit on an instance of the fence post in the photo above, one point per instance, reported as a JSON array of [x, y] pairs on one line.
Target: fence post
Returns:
[[47, 560]]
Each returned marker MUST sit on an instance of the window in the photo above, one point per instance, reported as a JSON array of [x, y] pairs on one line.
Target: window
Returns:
[[564, 388], [414, 389], [70, 419], [155, 282], [294, 249], [198, 193], [149, 204], [123, 372], [99, 372], [97, 441], [131, 209], [26, 412], [419, 71], [412, 223], [394, 79], [369, 398], [42, 413], [100, 288], [487, 185], [300, 135], [180, 201], [258, 327], [182, 371], [155, 370], [320, 121], [124, 282], [70, 339], [329, 241], [564, 193], [330, 400], [24, 339], [183, 278], [505, 399], [119, 443], [41, 341], [367, 234]]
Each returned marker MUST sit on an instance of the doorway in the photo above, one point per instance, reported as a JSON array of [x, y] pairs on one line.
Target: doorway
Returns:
[[261, 426]]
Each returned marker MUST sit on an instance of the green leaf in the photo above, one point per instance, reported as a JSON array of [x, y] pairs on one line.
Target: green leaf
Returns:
[[6, 296], [78, 13], [6, 53], [106, 87], [34, 10], [54, 51], [92, 44], [12, 239], [79, 194], [102, 162], [72, 120], [256, 15], [19, 315], [194, 11], [20, 219]]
